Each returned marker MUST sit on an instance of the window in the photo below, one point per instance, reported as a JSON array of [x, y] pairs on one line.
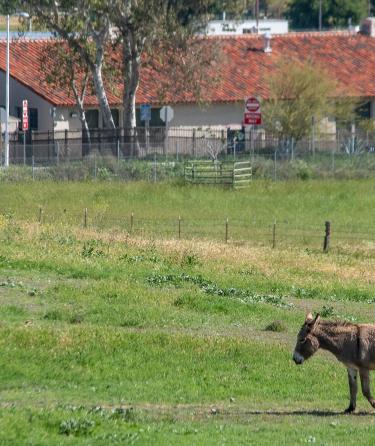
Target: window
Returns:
[[115, 116], [33, 118], [155, 118], [249, 30], [363, 111], [92, 118]]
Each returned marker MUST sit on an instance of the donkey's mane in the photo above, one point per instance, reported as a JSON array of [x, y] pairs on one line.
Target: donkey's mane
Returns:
[[336, 323]]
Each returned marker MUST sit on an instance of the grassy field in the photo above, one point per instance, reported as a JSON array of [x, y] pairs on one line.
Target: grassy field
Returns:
[[300, 208], [111, 338]]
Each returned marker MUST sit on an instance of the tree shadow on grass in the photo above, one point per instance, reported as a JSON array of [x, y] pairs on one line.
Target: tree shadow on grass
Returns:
[[294, 413]]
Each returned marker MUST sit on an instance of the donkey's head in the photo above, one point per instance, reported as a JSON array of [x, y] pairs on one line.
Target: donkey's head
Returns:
[[307, 343]]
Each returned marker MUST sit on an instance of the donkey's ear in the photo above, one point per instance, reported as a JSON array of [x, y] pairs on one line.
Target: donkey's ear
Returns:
[[311, 321]]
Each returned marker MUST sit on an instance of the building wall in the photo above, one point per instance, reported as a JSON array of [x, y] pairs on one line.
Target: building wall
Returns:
[[17, 93], [221, 115], [233, 27]]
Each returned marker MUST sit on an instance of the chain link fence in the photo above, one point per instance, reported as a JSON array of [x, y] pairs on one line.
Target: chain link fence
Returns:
[[155, 154]]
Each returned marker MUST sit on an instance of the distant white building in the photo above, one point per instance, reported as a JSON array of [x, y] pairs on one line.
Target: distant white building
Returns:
[[13, 122], [236, 27]]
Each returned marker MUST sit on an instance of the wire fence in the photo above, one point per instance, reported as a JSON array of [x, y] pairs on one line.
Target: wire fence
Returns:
[[282, 233]]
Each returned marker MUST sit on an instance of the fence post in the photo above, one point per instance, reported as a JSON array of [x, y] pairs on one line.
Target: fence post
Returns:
[[85, 218], [292, 149], [33, 166], [154, 165], [327, 236], [313, 137], [40, 214], [274, 165], [226, 230], [179, 227], [66, 137], [274, 235], [194, 142], [131, 222]]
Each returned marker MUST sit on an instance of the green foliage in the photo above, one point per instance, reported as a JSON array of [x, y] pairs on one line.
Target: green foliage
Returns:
[[76, 427], [304, 14], [300, 98]]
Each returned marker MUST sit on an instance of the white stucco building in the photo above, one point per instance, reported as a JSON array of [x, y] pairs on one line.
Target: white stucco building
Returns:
[[348, 57]]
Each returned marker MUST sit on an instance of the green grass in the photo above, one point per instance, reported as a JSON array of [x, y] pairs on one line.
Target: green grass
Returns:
[[299, 208], [110, 338]]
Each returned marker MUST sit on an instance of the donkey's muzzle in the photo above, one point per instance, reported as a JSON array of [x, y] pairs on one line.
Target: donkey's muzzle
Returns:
[[297, 358]]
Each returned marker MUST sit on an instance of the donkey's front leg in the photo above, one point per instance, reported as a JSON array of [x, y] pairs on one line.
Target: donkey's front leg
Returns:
[[353, 387], [365, 383]]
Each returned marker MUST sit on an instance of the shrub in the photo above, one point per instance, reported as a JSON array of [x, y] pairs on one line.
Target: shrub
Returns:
[[276, 326]]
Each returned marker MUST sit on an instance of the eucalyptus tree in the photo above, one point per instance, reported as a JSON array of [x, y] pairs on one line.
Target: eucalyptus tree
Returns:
[[85, 26], [160, 33], [67, 69]]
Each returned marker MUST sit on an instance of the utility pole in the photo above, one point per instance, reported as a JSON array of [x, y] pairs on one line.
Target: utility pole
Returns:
[[320, 15], [257, 15], [6, 142]]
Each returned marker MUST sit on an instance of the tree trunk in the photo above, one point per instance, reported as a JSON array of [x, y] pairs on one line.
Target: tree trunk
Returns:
[[131, 82], [102, 97], [131, 68], [80, 98], [86, 150]]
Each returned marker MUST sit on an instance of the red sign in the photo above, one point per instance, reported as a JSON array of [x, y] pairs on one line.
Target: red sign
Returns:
[[252, 118], [25, 116], [252, 104]]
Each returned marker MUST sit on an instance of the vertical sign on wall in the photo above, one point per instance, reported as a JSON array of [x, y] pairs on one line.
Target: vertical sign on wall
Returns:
[[25, 116], [252, 114]]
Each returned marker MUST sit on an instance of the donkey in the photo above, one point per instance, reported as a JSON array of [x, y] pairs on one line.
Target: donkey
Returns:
[[352, 344]]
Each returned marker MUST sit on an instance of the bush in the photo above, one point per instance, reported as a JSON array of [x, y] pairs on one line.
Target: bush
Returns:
[[276, 326]]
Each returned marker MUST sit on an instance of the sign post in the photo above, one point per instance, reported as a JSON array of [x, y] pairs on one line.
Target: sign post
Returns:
[[25, 126], [252, 114], [166, 115], [252, 117], [146, 117]]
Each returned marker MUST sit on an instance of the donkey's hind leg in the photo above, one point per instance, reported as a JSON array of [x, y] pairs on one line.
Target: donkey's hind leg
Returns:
[[353, 387], [365, 383]]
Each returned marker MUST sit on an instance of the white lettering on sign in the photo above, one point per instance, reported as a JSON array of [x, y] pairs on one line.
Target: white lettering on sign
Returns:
[[25, 116], [252, 104]]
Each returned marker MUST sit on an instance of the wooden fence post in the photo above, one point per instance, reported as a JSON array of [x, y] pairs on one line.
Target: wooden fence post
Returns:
[[274, 235], [131, 222], [85, 219], [327, 236], [226, 230], [40, 214], [179, 227]]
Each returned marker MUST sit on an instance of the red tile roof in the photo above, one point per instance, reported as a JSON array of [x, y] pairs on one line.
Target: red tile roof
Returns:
[[347, 57]]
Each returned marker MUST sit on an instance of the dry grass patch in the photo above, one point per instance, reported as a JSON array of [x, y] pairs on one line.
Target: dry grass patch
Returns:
[[298, 264]]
